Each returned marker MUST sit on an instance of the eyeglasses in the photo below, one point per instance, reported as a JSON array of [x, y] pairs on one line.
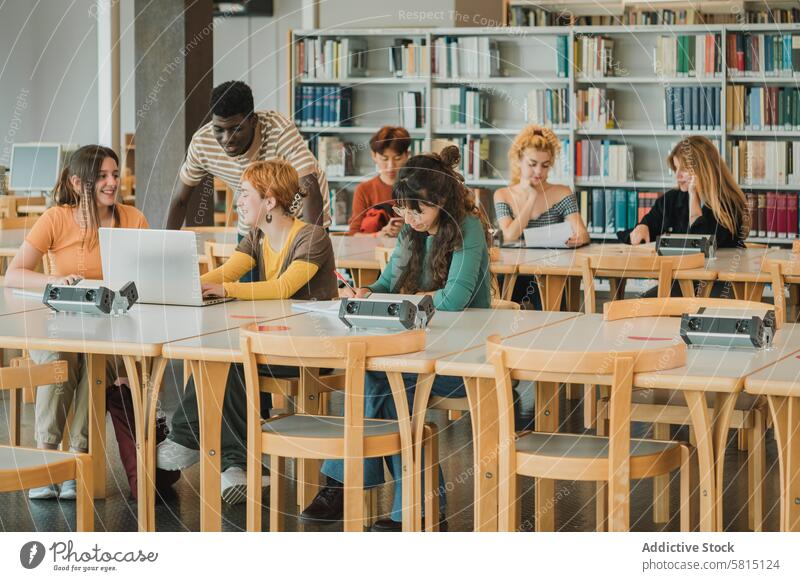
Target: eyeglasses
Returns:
[[403, 212]]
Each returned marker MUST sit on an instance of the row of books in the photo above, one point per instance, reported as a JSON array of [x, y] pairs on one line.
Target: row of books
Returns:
[[692, 108], [535, 16], [323, 58], [465, 57], [606, 211], [773, 214], [597, 159], [411, 109], [474, 155], [594, 56], [760, 108], [773, 15], [547, 107], [323, 106], [765, 162], [335, 156], [460, 108], [769, 55], [688, 55], [408, 58], [662, 17], [594, 108]]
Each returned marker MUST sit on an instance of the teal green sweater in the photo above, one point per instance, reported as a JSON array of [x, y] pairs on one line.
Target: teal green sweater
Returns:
[[468, 281]]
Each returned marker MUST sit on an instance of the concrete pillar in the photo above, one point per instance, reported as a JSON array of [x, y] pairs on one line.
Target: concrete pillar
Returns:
[[174, 62]]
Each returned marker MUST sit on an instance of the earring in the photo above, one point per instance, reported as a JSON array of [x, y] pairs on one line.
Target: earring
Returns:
[[268, 218]]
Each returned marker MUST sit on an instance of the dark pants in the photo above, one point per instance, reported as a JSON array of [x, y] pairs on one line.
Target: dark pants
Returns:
[[119, 404], [526, 292], [186, 422], [251, 276]]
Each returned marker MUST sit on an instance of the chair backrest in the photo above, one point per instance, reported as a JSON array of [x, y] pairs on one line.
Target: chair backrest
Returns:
[[382, 255], [347, 352], [675, 307], [217, 253], [779, 270], [20, 376], [504, 305], [17, 222], [507, 359], [637, 264]]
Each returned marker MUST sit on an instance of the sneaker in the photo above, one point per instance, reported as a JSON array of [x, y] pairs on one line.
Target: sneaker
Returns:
[[173, 456], [69, 490], [43, 492], [327, 506], [234, 485]]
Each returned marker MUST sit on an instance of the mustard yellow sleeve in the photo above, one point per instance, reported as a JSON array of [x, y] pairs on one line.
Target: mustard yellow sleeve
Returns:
[[234, 268], [285, 286]]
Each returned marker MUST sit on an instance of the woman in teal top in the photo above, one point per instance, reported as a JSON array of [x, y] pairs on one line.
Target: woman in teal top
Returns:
[[442, 250]]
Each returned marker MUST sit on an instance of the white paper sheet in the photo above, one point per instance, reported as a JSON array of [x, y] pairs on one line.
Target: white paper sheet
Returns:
[[552, 236]]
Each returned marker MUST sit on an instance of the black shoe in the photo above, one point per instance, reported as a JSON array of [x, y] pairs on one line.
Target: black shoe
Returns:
[[326, 507], [387, 525]]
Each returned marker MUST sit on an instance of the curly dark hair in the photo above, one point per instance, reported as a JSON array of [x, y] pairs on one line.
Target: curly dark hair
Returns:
[[232, 98], [430, 179]]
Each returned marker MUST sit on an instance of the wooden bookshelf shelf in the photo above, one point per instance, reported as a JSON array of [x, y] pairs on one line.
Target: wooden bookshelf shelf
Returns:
[[638, 93]]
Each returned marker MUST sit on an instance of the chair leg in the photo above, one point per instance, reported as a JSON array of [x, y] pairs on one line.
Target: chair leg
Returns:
[[589, 407], [29, 395], [431, 472], [84, 503], [756, 468], [601, 496], [453, 415], [277, 486], [15, 419], [661, 482], [741, 439], [686, 490], [254, 494], [353, 495]]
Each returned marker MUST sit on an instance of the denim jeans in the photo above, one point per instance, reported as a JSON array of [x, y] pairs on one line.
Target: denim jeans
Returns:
[[378, 403]]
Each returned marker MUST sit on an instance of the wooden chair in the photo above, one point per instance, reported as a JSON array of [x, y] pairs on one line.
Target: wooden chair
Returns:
[[636, 264], [217, 253], [351, 438], [23, 468], [779, 271], [666, 408], [18, 222], [615, 460]]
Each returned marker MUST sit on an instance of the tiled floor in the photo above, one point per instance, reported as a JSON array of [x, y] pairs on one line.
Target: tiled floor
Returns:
[[574, 506]]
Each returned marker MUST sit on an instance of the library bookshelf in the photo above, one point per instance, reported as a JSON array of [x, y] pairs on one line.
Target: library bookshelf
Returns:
[[526, 61]]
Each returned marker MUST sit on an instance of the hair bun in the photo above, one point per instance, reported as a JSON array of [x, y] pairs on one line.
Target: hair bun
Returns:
[[450, 156]]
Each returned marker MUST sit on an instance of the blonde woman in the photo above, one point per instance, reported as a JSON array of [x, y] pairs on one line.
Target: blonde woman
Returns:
[[530, 200], [706, 201]]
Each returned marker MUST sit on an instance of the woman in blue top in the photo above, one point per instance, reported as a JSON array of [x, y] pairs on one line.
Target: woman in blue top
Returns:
[[442, 250]]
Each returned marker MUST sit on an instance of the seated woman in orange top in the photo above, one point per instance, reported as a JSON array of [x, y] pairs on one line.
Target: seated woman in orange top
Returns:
[[86, 199], [372, 213]]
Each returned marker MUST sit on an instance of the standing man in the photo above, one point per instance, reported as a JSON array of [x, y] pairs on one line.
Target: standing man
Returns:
[[237, 136]]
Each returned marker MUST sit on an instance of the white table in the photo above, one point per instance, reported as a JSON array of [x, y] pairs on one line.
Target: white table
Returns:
[[138, 334], [780, 383], [448, 333], [722, 372]]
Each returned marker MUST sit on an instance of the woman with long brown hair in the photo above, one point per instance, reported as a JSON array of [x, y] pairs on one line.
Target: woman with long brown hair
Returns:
[[86, 199], [706, 201], [443, 250]]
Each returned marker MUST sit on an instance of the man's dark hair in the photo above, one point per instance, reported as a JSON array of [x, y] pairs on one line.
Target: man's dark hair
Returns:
[[232, 98]]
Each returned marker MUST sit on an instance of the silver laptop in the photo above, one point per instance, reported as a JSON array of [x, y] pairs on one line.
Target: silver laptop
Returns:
[[162, 263]]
